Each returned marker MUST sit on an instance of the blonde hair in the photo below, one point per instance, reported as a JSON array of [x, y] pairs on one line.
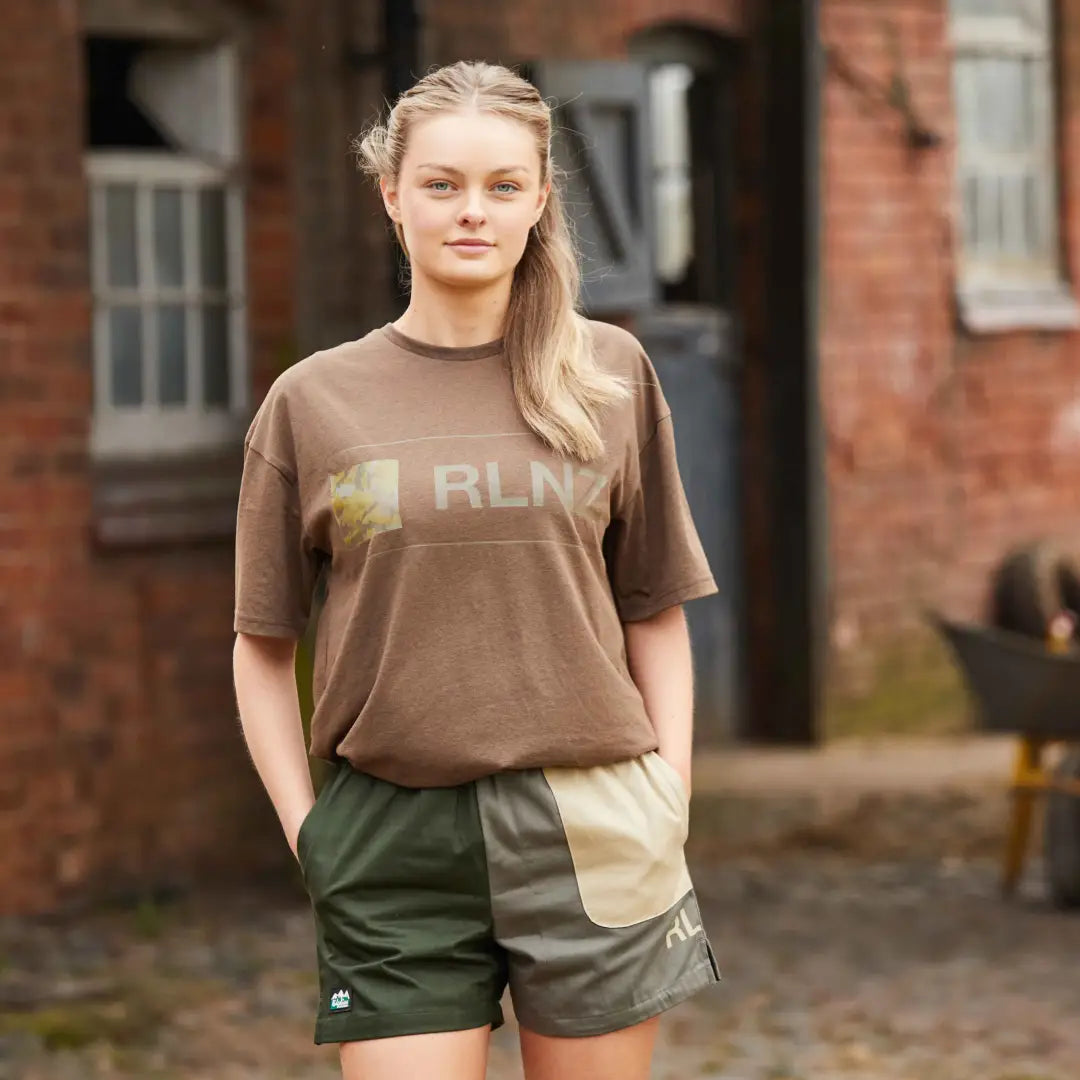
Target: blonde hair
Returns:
[[559, 386]]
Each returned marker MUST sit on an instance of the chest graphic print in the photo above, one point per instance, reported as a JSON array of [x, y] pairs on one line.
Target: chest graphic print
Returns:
[[366, 497]]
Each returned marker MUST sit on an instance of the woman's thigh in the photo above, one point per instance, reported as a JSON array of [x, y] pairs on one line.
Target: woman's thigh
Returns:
[[618, 1055], [448, 1055]]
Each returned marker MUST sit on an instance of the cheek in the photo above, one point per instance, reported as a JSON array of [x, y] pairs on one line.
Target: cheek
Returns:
[[506, 221], [424, 216], [515, 229]]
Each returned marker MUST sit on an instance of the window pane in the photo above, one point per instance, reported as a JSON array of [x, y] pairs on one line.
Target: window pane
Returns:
[[1003, 94], [1013, 231], [125, 337], [988, 213], [216, 356], [212, 237], [1034, 13], [671, 128], [172, 355], [671, 170], [971, 213], [168, 238], [120, 235], [1040, 214], [967, 103], [1031, 71], [993, 188]]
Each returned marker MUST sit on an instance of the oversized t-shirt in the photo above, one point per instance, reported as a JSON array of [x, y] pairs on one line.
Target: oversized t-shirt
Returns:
[[477, 582]]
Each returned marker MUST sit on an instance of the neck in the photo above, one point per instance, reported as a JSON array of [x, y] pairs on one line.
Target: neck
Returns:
[[455, 318]]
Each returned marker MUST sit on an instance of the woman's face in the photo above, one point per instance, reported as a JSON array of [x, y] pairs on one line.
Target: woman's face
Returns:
[[467, 194]]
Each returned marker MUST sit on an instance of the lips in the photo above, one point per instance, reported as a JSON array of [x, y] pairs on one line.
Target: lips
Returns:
[[471, 243]]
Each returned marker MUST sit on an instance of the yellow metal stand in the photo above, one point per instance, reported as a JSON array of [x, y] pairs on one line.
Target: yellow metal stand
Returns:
[[1028, 777], [1030, 780]]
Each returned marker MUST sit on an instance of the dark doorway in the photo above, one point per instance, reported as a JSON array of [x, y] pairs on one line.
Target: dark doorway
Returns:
[[691, 333]]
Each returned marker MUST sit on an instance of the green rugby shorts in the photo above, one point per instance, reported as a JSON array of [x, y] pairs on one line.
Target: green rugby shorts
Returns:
[[569, 885]]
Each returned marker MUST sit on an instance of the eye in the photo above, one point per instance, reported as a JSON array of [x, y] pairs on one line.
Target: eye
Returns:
[[433, 185], [507, 184]]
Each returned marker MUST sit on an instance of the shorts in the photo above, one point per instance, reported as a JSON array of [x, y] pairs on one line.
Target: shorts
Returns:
[[569, 885]]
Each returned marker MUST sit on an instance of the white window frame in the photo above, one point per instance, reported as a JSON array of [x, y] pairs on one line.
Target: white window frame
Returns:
[[993, 293], [151, 429], [124, 430]]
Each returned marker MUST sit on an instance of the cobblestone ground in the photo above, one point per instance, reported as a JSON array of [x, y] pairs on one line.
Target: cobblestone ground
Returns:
[[836, 966]]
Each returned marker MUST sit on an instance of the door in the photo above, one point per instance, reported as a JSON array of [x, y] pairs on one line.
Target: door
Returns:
[[647, 153]]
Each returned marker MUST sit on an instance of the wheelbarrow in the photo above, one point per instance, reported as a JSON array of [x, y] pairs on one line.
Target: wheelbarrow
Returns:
[[1021, 686]]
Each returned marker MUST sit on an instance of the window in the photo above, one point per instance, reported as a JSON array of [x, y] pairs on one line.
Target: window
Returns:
[[692, 161], [1009, 262], [166, 245], [601, 142], [646, 147], [668, 87]]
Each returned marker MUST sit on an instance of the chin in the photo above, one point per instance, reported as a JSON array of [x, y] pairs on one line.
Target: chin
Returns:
[[467, 277], [467, 283]]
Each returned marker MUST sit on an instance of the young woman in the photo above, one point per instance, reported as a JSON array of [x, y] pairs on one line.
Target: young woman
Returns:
[[503, 676]]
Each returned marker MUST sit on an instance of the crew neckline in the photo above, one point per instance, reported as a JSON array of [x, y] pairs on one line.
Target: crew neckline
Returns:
[[442, 352]]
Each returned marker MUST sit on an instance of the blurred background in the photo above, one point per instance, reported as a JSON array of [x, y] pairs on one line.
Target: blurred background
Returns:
[[847, 234]]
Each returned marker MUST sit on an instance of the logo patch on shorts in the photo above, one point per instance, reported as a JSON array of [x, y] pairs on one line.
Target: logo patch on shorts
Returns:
[[682, 928], [340, 1000]]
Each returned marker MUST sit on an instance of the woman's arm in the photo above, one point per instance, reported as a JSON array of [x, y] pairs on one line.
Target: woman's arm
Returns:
[[658, 654], [264, 674]]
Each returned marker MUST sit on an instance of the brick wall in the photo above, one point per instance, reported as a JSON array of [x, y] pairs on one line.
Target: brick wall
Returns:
[[562, 29], [121, 760], [44, 388], [943, 448], [348, 285]]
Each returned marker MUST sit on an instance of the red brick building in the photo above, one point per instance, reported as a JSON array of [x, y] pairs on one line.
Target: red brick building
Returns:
[[848, 235]]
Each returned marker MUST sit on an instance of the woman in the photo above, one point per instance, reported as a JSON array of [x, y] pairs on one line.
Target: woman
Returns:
[[503, 675]]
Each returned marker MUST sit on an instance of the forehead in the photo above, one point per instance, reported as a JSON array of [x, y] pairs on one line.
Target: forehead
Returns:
[[471, 142]]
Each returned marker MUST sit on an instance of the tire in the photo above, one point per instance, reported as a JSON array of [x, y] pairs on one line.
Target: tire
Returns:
[[1025, 590], [1062, 837]]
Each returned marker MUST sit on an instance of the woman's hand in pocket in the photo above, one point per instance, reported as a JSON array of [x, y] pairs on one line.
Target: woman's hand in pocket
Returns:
[[685, 775], [680, 764], [292, 829]]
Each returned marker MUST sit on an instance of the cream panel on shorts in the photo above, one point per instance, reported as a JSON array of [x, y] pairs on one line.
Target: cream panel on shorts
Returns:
[[625, 826]]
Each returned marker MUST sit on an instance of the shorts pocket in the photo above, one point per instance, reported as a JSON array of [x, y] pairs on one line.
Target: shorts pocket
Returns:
[[624, 825], [301, 836], [675, 781], [306, 836]]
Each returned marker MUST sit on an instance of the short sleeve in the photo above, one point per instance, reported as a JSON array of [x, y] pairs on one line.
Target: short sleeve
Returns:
[[654, 556], [275, 568]]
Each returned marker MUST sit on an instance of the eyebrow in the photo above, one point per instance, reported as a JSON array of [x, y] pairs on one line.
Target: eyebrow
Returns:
[[457, 172]]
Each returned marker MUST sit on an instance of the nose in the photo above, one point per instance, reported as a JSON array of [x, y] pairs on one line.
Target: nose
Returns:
[[472, 213]]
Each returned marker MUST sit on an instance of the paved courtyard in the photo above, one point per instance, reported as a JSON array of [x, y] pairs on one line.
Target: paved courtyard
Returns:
[[836, 967], [851, 895]]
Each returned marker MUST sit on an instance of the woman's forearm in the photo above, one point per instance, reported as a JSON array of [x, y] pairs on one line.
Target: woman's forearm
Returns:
[[658, 655], [264, 675]]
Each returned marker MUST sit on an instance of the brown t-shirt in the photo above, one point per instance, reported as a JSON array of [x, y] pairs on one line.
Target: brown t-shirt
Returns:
[[477, 582]]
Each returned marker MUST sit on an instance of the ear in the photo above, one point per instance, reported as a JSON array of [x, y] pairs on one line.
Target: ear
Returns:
[[541, 201], [390, 199]]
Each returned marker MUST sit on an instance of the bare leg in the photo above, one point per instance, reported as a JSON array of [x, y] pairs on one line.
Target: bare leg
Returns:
[[619, 1055], [443, 1055]]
